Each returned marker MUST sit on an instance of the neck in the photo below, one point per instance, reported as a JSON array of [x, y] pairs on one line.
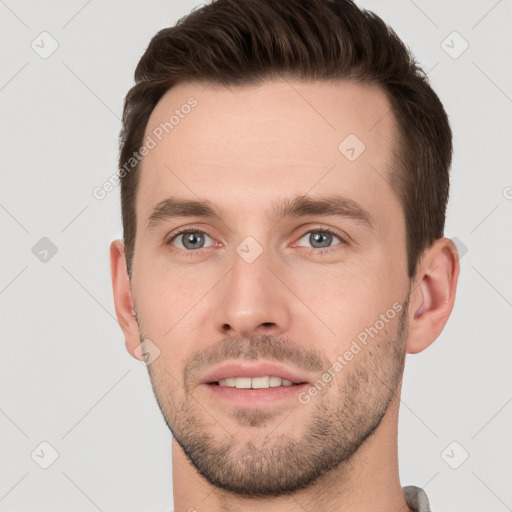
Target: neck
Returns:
[[367, 481]]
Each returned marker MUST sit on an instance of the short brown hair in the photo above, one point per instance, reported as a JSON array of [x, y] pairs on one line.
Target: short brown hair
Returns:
[[234, 42]]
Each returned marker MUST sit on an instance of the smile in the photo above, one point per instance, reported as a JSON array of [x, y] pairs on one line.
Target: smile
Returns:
[[255, 382]]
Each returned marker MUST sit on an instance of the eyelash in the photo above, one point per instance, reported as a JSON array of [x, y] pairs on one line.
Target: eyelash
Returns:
[[310, 249]]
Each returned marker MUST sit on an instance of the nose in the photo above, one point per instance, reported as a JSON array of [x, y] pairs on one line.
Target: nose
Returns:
[[252, 299]]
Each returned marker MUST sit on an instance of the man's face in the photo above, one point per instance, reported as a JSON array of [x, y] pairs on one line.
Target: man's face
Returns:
[[249, 287]]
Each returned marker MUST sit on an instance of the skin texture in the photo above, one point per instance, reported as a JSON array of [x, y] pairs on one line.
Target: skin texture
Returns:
[[244, 149]]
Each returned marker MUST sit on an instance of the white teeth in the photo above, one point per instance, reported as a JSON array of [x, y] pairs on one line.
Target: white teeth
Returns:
[[275, 381], [243, 382], [254, 382], [260, 382]]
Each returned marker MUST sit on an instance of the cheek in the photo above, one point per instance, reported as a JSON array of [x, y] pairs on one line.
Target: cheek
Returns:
[[168, 302], [169, 290], [349, 302], [341, 293]]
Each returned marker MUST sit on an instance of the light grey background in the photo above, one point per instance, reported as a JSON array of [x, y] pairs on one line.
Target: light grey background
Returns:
[[66, 378]]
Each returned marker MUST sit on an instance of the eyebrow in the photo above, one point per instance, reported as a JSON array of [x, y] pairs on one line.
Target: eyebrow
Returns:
[[300, 206]]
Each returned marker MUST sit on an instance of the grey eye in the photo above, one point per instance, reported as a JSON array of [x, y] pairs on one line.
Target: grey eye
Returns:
[[320, 239], [191, 240]]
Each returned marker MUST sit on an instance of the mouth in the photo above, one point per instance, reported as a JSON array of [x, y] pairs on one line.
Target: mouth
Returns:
[[264, 382], [250, 384], [254, 375]]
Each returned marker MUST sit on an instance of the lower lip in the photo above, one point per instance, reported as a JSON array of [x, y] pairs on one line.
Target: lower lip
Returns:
[[254, 398]]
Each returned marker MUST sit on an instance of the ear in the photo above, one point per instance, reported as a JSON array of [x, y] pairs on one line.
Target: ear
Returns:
[[432, 294], [123, 297]]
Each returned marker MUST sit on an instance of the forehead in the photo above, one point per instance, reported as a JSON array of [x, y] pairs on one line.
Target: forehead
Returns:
[[261, 142]]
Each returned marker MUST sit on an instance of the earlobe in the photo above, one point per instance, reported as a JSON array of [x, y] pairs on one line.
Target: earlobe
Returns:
[[432, 294], [123, 299]]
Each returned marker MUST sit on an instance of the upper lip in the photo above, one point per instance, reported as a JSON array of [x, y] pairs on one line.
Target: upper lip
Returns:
[[251, 369]]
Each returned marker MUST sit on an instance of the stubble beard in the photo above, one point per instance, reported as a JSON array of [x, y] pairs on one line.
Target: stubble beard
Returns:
[[340, 420]]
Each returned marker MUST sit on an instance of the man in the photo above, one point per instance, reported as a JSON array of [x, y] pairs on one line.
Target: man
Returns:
[[284, 177]]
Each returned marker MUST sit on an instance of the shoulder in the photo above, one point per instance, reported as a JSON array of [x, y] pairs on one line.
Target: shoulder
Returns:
[[416, 498]]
